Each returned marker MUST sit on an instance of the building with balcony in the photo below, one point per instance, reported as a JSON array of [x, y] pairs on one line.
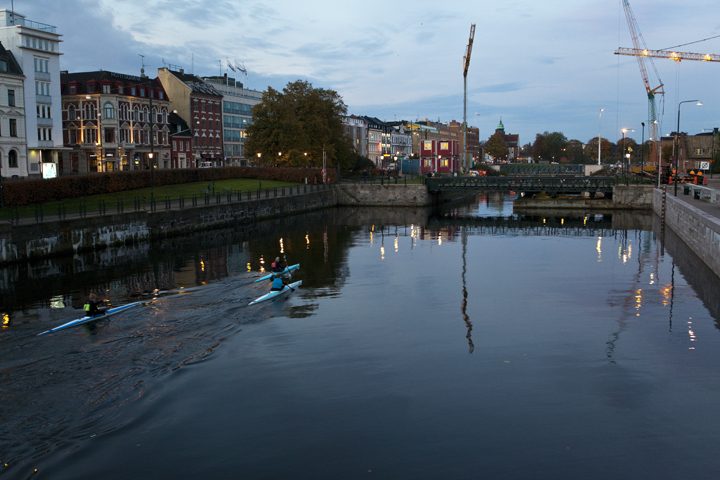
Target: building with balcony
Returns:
[[200, 105], [237, 104], [113, 121], [13, 146], [36, 48]]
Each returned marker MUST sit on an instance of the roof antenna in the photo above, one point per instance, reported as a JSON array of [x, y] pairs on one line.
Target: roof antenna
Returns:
[[142, 70]]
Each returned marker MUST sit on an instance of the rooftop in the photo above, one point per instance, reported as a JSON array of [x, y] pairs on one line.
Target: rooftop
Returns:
[[8, 18]]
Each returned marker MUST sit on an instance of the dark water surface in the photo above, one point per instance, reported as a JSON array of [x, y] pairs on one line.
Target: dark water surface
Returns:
[[418, 346]]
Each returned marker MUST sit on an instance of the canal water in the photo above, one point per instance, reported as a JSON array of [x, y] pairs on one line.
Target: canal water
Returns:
[[474, 342]]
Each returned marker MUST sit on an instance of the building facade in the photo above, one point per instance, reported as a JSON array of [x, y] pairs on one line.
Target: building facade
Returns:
[[473, 141], [113, 121], [439, 156], [36, 48], [400, 143], [13, 145], [181, 138], [237, 104], [357, 130], [200, 105]]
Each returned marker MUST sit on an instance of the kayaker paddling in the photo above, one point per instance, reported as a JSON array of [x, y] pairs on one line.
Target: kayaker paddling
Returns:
[[278, 283], [92, 308]]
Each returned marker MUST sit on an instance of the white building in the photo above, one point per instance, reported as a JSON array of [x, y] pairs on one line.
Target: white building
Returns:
[[36, 47], [400, 142], [238, 102], [13, 145]]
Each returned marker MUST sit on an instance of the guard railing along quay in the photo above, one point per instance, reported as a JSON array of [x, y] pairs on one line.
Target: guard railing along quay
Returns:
[[66, 210]]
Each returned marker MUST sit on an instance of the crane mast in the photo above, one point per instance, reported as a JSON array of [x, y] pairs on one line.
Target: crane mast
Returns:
[[466, 65], [636, 40]]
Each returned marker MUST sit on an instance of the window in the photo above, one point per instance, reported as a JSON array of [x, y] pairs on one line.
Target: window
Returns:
[[89, 111], [427, 162], [444, 162], [108, 110], [73, 137], [142, 92], [11, 98], [174, 145], [3, 66], [73, 89], [106, 88], [91, 88], [160, 95], [203, 106], [13, 127], [444, 145], [698, 151], [132, 91], [12, 159], [109, 135], [71, 112], [427, 145]]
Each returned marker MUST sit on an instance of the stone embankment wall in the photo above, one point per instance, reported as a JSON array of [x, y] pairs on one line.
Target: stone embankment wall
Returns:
[[51, 238], [390, 195], [699, 230]]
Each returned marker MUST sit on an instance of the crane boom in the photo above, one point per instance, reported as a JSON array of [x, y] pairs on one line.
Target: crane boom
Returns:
[[468, 51], [677, 56]]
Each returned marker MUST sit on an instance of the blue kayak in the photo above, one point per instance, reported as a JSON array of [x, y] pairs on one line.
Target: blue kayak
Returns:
[[277, 293], [288, 270], [82, 320]]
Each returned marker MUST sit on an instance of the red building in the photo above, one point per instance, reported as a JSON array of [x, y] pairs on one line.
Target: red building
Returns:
[[181, 141], [200, 105], [439, 156]]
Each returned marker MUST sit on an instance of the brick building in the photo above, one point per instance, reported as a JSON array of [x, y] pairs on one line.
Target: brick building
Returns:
[[200, 105], [107, 120]]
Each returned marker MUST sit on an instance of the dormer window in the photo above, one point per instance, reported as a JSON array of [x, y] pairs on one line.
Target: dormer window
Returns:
[[73, 89]]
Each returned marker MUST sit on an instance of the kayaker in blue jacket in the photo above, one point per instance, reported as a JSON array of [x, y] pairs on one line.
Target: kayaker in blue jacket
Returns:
[[278, 283]]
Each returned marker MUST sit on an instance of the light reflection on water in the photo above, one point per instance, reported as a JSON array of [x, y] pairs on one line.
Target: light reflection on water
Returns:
[[473, 348]]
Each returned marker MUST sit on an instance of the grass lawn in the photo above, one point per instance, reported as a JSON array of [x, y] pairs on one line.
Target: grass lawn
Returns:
[[187, 190]]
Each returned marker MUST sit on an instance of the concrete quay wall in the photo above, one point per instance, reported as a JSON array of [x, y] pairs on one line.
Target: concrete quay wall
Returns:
[[93, 233], [699, 230]]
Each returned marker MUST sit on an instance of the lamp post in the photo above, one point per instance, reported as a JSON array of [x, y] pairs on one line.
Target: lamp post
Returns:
[[677, 145], [642, 151], [259, 172], [599, 133]]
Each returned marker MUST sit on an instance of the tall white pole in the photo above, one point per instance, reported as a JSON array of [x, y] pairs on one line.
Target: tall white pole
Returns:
[[599, 132]]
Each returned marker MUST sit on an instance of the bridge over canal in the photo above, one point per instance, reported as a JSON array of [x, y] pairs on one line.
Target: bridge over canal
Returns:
[[548, 185]]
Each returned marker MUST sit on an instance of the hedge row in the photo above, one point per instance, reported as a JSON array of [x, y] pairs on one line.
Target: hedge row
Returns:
[[30, 192]]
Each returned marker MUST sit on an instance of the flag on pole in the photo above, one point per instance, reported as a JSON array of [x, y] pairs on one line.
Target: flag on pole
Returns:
[[241, 69], [230, 66]]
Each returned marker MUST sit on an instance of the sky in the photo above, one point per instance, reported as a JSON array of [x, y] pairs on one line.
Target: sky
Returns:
[[538, 66]]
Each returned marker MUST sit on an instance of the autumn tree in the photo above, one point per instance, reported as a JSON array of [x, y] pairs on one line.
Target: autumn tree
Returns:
[[496, 147], [290, 128], [606, 148]]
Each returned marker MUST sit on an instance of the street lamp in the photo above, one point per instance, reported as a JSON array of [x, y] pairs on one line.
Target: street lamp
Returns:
[[599, 133], [642, 151], [677, 145], [259, 172], [625, 167]]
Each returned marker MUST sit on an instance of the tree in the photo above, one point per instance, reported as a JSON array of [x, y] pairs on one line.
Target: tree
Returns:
[[291, 127], [606, 148], [575, 153], [496, 147], [549, 146]]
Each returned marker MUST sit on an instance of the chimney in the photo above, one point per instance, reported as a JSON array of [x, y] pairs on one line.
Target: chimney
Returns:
[[182, 71]]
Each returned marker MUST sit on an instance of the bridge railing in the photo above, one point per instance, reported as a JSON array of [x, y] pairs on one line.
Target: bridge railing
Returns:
[[536, 169], [551, 185]]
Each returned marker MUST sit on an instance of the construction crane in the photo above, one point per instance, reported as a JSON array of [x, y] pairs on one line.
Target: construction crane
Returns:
[[677, 56], [466, 65], [637, 38]]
